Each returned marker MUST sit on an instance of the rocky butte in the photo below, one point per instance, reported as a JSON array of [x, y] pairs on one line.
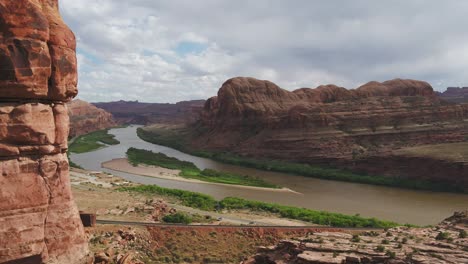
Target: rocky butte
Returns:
[[86, 118], [39, 222], [358, 129]]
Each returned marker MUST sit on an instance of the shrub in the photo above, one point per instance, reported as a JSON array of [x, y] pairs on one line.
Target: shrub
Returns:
[[178, 218], [442, 236], [380, 248], [390, 254], [356, 238], [462, 234]]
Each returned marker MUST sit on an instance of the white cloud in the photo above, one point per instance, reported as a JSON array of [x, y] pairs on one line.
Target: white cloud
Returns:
[[129, 49]]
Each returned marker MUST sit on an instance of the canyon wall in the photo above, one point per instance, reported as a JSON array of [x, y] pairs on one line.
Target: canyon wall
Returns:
[[134, 112], [86, 118], [39, 221], [331, 125]]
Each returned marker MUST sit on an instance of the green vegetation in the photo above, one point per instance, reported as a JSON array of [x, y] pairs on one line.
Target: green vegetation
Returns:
[[303, 214], [187, 198], [206, 202], [356, 238], [177, 140], [380, 248], [190, 171], [390, 254], [442, 236], [178, 218], [462, 234], [92, 141]]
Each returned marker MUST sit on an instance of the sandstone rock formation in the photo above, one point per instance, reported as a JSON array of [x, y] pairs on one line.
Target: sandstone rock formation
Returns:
[[134, 112], [356, 128], [455, 94], [39, 222], [86, 118], [445, 243]]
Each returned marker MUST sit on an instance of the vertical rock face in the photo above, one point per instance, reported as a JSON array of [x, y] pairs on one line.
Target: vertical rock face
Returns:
[[39, 222]]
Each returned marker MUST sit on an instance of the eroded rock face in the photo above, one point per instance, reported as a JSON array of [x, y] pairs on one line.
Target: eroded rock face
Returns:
[[39, 221], [86, 118], [331, 124]]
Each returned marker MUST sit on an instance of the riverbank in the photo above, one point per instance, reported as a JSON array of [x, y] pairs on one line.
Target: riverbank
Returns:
[[189, 170], [177, 138], [208, 203], [123, 165], [92, 141]]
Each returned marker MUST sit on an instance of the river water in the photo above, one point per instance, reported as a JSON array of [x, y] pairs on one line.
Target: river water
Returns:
[[400, 205]]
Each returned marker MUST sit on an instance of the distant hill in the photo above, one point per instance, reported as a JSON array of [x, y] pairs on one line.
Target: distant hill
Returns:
[[455, 94], [134, 112], [85, 118]]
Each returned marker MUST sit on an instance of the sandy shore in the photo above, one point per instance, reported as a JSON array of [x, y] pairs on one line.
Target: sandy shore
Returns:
[[153, 171]]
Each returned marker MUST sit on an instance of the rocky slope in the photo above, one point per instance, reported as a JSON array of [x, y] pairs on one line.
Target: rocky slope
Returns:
[[39, 222], [357, 129], [128, 112], [86, 118], [445, 243]]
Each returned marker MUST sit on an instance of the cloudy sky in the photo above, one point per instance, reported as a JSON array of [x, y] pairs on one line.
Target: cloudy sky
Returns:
[[173, 50]]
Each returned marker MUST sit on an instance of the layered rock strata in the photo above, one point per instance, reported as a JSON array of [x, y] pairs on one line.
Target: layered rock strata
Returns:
[[39, 222], [86, 118], [332, 125]]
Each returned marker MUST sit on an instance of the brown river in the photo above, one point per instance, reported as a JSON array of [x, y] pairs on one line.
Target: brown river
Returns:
[[387, 203]]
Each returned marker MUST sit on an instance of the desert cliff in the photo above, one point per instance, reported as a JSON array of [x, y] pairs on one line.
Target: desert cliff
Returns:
[[39, 221], [354, 128], [86, 118]]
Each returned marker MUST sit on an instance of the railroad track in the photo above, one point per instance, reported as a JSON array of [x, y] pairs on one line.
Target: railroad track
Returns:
[[327, 228]]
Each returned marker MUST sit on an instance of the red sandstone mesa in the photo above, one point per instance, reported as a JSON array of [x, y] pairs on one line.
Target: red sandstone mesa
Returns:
[[39, 221], [356, 129]]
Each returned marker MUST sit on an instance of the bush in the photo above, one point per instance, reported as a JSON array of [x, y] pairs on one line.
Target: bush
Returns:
[[390, 254], [442, 236], [462, 234], [178, 218], [356, 238], [380, 248]]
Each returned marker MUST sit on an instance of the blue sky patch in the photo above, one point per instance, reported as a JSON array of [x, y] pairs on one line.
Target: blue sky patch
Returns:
[[94, 59], [186, 47]]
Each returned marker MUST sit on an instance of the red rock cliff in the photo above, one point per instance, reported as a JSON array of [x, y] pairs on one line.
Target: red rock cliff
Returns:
[[86, 118], [330, 123], [39, 221]]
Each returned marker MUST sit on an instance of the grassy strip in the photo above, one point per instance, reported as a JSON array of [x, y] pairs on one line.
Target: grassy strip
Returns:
[[176, 140], [187, 198], [189, 170], [206, 202], [92, 141]]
